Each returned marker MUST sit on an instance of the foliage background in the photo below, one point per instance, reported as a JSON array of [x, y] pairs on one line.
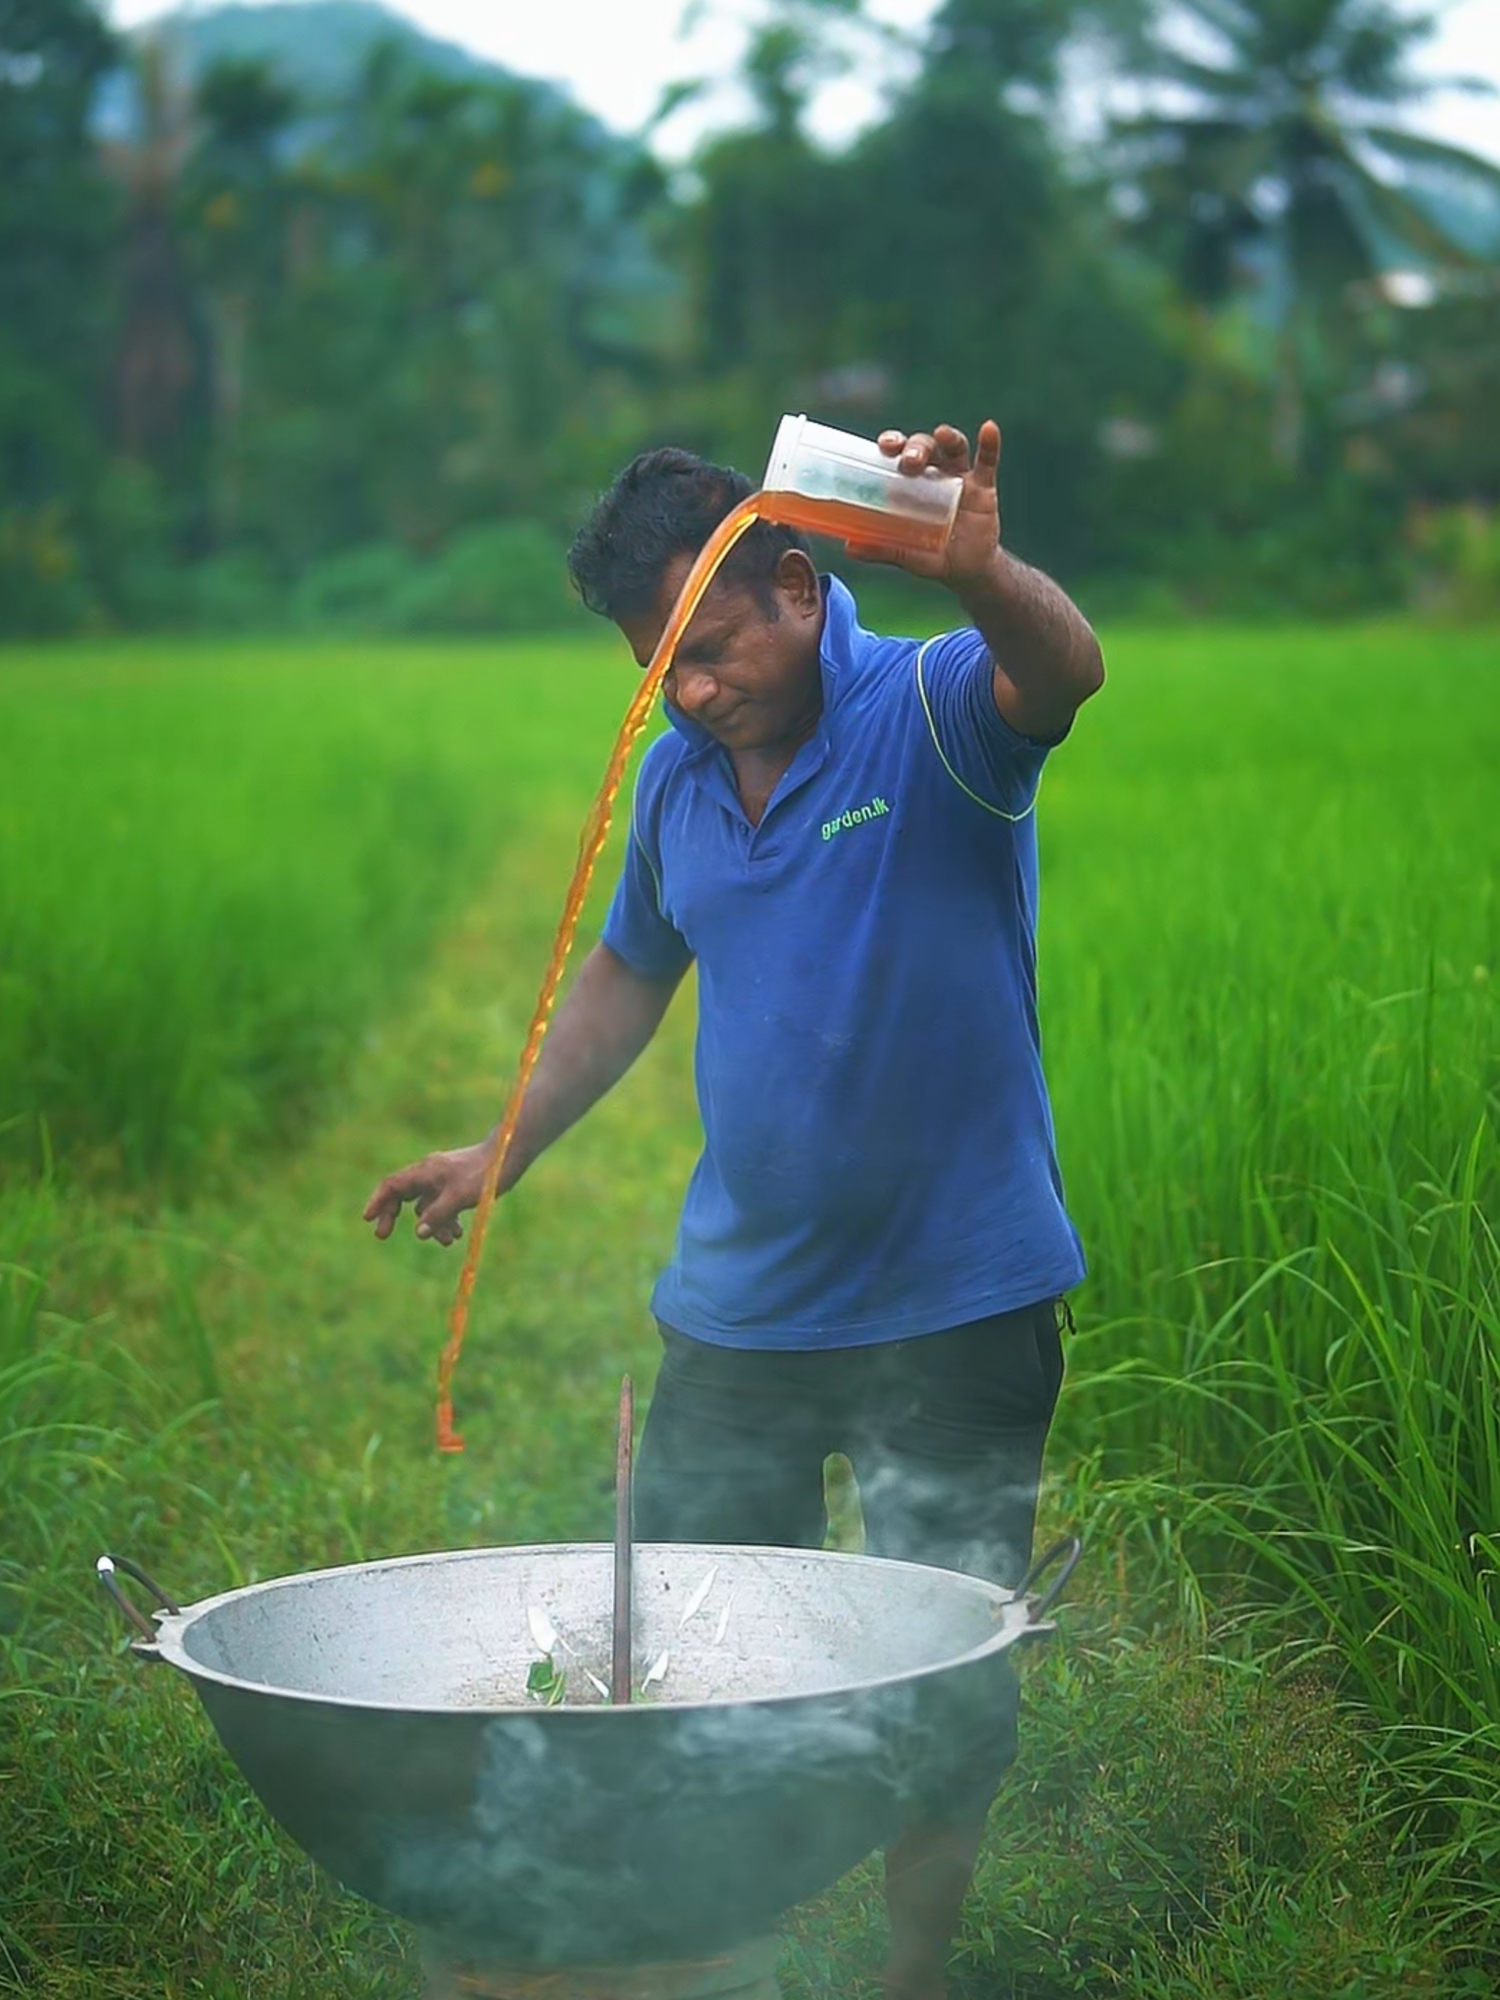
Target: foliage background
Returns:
[[308, 321]]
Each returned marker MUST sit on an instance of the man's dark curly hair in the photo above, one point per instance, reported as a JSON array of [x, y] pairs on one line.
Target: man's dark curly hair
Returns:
[[666, 504]]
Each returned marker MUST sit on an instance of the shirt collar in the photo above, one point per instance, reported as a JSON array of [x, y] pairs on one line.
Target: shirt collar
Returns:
[[840, 650]]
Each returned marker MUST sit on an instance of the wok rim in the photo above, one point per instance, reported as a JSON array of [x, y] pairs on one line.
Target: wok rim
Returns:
[[172, 1628]]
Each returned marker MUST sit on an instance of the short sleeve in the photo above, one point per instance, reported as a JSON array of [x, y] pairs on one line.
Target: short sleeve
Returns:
[[636, 928], [994, 764]]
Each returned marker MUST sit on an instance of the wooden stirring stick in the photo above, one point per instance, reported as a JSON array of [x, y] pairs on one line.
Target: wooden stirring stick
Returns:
[[620, 1664]]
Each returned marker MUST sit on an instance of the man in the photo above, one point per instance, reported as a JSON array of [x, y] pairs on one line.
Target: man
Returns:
[[840, 830]]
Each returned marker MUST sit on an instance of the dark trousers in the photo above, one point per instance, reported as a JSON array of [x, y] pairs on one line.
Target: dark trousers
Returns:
[[945, 1432]]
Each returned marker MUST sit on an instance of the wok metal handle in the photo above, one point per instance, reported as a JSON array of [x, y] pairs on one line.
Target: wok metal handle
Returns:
[[1066, 1552], [105, 1570]]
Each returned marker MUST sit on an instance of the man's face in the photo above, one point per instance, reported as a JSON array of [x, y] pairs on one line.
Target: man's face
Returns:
[[747, 665]]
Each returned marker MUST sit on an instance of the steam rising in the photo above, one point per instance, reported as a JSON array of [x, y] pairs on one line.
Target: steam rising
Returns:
[[586, 1855]]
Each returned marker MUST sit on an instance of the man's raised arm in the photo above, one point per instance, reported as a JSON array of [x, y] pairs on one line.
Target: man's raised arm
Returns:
[[1047, 660], [607, 1018]]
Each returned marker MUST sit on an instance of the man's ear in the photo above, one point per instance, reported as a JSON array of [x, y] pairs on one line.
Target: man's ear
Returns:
[[797, 581]]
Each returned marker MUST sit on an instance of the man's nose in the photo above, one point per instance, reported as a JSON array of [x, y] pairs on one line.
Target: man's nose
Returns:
[[691, 690]]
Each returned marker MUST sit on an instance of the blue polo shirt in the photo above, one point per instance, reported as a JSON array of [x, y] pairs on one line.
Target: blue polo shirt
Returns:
[[878, 1156]]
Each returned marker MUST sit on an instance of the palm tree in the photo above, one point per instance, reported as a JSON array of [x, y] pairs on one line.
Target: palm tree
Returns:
[[1281, 137]]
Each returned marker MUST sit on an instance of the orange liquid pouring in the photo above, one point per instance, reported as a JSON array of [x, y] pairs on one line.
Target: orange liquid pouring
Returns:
[[590, 845], [860, 525]]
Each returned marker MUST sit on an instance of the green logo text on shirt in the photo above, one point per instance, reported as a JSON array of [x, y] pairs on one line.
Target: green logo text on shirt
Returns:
[[856, 817]]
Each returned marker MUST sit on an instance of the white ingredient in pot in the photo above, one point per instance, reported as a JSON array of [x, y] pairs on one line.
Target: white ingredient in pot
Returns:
[[696, 1601], [543, 1631]]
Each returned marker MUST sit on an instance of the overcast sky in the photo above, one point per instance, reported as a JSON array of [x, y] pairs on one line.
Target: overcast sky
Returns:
[[616, 56]]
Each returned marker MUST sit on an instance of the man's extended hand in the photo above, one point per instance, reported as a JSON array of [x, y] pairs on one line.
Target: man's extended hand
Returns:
[[442, 1186], [976, 526], [607, 1017]]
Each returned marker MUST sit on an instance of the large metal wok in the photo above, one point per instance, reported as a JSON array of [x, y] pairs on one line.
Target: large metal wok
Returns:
[[806, 1701]]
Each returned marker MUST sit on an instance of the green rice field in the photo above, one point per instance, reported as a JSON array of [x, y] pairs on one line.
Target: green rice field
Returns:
[[271, 921]]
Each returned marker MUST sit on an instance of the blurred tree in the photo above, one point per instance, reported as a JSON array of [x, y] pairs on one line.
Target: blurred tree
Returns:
[[432, 301], [468, 287], [366, 309], [1013, 42], [1000, 289], [56, 220], [771, 224], [158, 360], [1425, 406], [947, 266], [1287, 149], [235, 198]]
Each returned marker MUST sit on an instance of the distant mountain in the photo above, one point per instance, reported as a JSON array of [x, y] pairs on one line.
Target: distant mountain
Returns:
[[317, 47]]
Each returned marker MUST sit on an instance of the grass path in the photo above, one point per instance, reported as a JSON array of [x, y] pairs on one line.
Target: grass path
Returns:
[[341, 1334]]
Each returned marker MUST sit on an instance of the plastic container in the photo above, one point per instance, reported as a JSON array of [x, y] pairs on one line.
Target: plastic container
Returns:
[[835, 484]]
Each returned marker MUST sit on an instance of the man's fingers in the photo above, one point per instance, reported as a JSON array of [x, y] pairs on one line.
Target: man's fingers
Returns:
[[918, 452], [386, 1203], [437, 1212], [952, 450], [946, 447], [987, 457]]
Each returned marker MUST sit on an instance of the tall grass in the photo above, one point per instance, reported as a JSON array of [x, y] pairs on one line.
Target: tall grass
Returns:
[[69, 1426], [1271, 979], [218, 864]]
